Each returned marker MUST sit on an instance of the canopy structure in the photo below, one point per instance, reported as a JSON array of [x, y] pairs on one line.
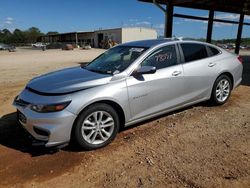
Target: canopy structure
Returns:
[[241, 7]]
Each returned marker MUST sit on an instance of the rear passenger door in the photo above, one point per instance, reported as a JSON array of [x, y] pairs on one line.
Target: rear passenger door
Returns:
[[198, 70]]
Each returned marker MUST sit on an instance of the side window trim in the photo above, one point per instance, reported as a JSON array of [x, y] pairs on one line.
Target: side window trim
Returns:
[[178, 53], [210, 53], [181, 55]]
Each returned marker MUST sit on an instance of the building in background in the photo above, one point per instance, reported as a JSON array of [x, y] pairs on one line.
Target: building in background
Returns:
[[98, 37]]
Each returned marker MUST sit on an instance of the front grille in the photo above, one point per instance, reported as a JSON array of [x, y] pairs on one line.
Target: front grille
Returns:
[[20, 102]]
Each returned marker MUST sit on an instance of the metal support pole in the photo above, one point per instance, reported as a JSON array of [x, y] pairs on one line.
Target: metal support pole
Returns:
[[168, 11], [210, 26], [240, 28], [76, 39], [169, 20]]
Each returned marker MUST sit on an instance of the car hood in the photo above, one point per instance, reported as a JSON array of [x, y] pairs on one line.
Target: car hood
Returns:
[[67, 81]]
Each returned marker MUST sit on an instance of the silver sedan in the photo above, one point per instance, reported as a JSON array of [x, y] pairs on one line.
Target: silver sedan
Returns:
[[125, 85]]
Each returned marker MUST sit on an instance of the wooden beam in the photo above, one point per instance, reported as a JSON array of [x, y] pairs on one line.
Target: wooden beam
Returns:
[[159, 6], [169, 20], [190, 17], [240, 28], [210, 25], [168, 12], [206, 19], [236, 6]]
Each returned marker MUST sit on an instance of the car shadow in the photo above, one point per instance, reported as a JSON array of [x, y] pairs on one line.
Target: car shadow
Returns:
[[203, 104], [246, 71], [13, 136]]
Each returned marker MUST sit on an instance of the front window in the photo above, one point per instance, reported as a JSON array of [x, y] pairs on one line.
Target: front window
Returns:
[[115, 60], [162, 58]]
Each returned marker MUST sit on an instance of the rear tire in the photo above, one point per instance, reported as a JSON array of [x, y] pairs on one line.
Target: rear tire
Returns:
[[221, 90], [96, 126]]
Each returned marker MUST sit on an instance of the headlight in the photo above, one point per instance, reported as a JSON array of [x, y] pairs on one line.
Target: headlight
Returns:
[[43, 108]]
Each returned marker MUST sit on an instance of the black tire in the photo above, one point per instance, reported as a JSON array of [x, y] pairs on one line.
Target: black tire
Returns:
[[77, 133], [213, 100]]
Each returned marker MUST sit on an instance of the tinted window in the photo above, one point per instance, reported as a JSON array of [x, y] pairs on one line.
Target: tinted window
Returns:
[[213, 51], [193, 51], [162, 58]]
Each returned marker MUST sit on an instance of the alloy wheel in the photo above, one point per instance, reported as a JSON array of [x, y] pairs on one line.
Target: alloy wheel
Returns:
[[97, 127], [222, 90]]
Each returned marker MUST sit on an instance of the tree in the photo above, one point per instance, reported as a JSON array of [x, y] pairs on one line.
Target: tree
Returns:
[[5, 36], [33, 34], [6, 32], [52, 33], [18, 36], [1, 36]]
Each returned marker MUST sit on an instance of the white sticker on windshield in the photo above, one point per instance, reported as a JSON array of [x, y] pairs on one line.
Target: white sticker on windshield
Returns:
[[136, 49]]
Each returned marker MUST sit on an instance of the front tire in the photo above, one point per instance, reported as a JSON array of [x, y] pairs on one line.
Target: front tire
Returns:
[[96, 126], [221, 90]]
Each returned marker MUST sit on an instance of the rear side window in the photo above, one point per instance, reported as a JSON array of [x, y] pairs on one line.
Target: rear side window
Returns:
[[193, 51], [212, 51]]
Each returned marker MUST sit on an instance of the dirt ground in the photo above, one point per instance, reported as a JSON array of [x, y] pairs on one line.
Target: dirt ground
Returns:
[[200, 146]]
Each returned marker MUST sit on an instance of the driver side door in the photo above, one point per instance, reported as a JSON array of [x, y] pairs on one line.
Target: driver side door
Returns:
[[152, 93]]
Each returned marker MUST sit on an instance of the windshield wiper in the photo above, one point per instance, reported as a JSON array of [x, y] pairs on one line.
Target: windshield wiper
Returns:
[[98, 71]]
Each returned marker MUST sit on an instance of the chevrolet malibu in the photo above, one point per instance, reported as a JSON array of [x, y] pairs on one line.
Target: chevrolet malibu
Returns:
[[125, 85]]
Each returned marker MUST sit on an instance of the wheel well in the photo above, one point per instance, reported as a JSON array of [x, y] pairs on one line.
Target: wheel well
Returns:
[[230, 76], [227, 74], [116, 107]]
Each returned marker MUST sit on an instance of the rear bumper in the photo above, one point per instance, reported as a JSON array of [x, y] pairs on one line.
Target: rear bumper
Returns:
[[48, 129], [237, 75], [237, 83]]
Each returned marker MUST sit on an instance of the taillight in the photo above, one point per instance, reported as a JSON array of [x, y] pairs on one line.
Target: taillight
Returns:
[[240, 59]]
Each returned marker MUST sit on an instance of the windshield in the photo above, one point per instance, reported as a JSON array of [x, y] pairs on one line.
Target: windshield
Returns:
[[115, 60]]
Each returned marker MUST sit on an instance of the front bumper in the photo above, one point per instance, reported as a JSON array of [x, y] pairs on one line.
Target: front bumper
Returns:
[[49, 129]]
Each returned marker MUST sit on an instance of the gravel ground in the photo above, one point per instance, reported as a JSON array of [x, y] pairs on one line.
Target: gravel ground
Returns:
[[200, 146]]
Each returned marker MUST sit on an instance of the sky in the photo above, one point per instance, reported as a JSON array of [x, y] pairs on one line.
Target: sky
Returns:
[[85, 15]]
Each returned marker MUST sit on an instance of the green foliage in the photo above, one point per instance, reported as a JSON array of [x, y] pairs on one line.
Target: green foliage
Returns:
[[52, 33], [5, 35], [31, 35], [17, 37], [245, 41]]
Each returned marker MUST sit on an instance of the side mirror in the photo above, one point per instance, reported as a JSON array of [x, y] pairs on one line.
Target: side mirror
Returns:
[[145, 70]]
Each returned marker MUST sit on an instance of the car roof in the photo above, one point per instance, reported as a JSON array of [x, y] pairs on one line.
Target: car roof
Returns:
[[156, 42], [149, 43]]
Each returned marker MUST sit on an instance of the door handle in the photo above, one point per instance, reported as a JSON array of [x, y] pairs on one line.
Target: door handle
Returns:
[[211, 64], [176, 73]]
